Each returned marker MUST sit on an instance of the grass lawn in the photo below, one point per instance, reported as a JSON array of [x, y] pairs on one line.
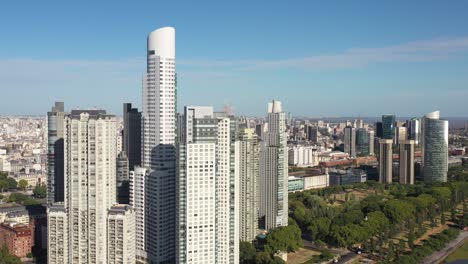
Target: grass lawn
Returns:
[[302, 255], [460, 254]]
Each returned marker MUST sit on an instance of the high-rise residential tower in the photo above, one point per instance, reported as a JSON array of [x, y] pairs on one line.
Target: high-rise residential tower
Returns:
[[138, 182], [121, 234], [406, 161], [90, 165], [90, 190], [55, 171], [434, 148], [132, 135], [385, 160], [247, 161], [207, 188], [57, 234], [158, 144], [350, 141], [123, 179], [274, 169]]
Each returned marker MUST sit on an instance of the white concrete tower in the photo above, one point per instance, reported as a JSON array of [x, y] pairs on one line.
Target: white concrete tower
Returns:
[[274, 169], [90, 176], [247, 162], [158, 139], [121, 234], [207, 203]]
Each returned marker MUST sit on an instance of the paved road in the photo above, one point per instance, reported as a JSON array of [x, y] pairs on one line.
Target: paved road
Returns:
[[347, 258], [438, 256]]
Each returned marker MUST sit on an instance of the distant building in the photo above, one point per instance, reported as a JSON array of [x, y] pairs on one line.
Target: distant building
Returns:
[[407, 161], [312, 134], [362, 142], [5, 165], [350, 141], [295, 184], [400, 134], [378, 130], [18, 238], [434, 148], [388, 126], [316, 181], [371, 143], [385, 160], [347, 177], [414, 130], [303, 156]]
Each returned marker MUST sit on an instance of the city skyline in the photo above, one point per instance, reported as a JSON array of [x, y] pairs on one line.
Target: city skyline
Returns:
[[416, 59]]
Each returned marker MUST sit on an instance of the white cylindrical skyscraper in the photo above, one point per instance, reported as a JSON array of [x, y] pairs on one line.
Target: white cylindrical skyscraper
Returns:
[[158, 150]]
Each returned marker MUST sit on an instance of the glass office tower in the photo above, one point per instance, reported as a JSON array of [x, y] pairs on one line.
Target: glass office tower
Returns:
[[434, 148], [388, 126]]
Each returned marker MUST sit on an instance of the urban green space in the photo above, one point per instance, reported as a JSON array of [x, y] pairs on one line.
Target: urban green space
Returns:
[[386, 223]]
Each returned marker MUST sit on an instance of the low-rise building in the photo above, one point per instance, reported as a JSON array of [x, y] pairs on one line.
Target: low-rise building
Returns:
[[5, 165], [13, 212], [295, 184], [316, 181], [32, 179], [18, 238], [347, 177]]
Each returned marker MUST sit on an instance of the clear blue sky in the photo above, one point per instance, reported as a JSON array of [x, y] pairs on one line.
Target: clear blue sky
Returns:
[[321, 58]]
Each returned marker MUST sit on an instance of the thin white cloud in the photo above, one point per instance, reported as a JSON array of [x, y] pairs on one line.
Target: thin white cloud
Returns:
[[417, 51]]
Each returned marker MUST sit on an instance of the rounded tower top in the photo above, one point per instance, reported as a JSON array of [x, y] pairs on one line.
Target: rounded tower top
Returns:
[[161, 42], [433, 115]]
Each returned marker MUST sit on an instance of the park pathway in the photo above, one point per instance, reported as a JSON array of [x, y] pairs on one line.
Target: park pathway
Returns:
[[439, 256]]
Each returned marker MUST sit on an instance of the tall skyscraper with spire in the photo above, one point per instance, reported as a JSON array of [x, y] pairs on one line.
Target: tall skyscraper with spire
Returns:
[[158, 145]]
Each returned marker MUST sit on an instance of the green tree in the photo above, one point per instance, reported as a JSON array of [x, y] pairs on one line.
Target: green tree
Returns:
[[398, 211], [3, 185], [12, 184], [319, 228], [6, 258], [247, 253], [23, 184], [284, 238], [263, 258], [40, 191], [411, 239]]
